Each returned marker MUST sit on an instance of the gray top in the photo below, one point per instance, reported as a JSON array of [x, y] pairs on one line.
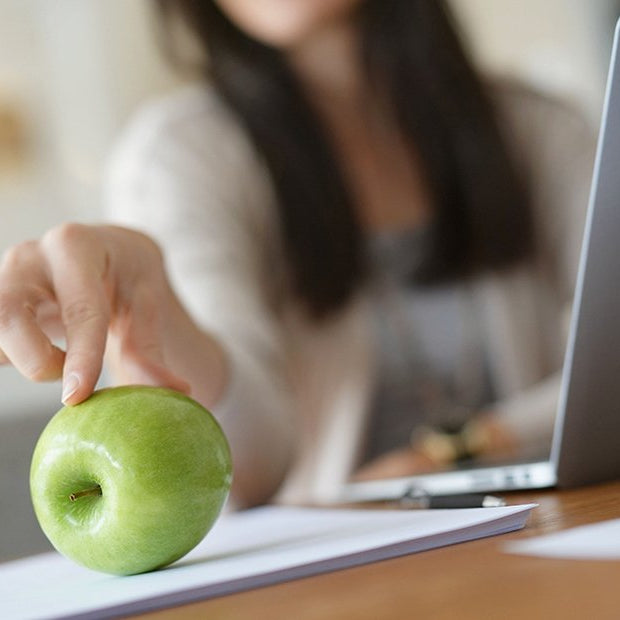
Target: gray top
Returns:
[[432, 367]]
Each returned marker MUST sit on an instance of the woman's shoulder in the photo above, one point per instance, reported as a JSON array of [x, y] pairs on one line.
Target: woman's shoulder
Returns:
[[539, 122], [187, 152], [193, 121], [192, 105]]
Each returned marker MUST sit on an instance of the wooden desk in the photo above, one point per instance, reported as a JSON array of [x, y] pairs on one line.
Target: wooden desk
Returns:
[[473, 580]]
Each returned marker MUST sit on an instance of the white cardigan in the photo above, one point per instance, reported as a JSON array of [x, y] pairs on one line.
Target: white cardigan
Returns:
[[295, 410]]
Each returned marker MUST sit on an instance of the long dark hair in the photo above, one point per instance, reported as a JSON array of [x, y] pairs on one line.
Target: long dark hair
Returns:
[[411, 51]]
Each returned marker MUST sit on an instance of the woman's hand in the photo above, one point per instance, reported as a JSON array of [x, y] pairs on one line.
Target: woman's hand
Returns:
[[84, 284], [395, 464], [483, 438]]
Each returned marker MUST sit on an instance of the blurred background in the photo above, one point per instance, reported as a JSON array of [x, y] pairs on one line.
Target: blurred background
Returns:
[[73, 71]]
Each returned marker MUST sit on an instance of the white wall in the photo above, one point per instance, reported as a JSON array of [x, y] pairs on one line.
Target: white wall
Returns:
[[562, 46], [76, 68]]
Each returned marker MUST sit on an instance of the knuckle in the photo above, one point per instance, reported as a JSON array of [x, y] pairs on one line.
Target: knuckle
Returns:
[[36, 372], [150, 249], [17, 254], [18, 300], [42, 367], [135, 249], [9, 304], [152, 246], [64, 235], [82, 311]]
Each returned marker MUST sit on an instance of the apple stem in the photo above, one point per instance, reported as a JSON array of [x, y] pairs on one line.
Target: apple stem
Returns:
[[96, 490]]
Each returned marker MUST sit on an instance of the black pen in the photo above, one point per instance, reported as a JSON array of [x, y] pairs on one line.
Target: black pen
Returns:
[[420, 499]]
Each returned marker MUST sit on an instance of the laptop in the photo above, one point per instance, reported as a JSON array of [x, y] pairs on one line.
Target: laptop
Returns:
[[586, 438]]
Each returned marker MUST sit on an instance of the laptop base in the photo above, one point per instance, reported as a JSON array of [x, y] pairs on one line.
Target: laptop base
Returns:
[[538, 475]]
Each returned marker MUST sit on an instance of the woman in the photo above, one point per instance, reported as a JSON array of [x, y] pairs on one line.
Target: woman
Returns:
[[345, 236]]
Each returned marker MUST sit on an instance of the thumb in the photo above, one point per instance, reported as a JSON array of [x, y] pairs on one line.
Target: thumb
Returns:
[[141, 344]]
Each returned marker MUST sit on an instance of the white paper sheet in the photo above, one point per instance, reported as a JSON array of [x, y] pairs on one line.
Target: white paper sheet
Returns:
[[600, 541], [244, 550]]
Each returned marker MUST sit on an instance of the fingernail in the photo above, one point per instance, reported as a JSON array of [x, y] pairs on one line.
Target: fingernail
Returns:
[[70, 387]]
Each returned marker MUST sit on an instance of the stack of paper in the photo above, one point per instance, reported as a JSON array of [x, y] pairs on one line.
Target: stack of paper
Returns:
[[245, 550]]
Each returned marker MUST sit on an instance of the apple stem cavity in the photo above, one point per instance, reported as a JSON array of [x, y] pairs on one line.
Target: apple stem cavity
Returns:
[[96, 490]]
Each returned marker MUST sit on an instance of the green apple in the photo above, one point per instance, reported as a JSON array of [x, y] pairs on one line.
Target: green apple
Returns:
[[131, 479]]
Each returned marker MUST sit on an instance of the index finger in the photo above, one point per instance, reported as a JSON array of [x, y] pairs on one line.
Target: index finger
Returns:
[[77, 261]]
